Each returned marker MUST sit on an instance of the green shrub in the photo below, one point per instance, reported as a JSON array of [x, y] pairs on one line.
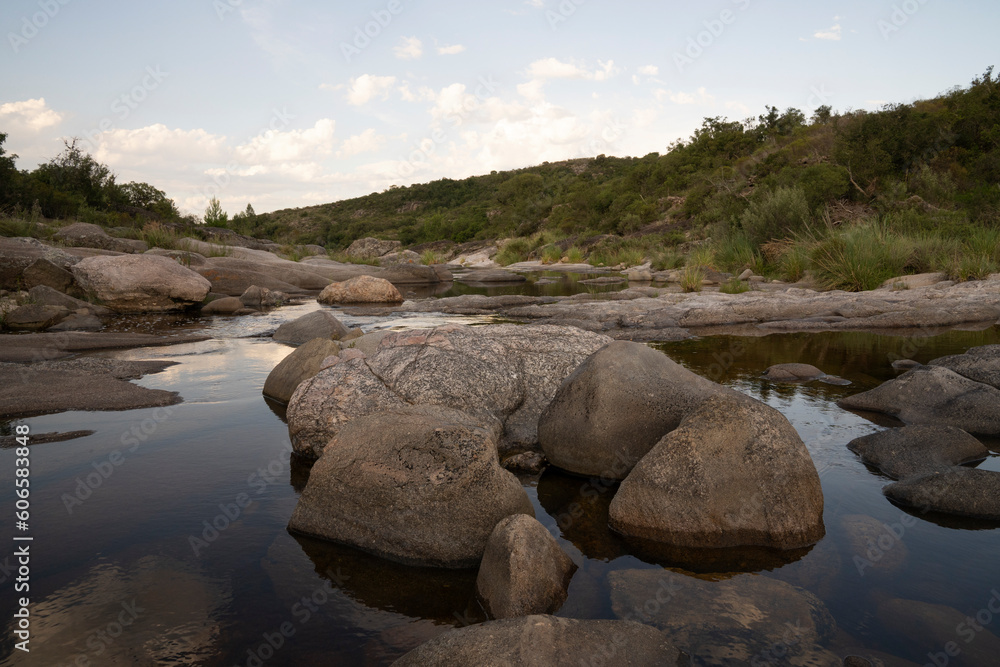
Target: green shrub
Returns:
[[430, 257], [667, 259], [513, 251], [157, 236], [734, 286], [691, 278], [735, 252], [794, 263], [551, 254], [860, 258], [574, 255], [776, 215]]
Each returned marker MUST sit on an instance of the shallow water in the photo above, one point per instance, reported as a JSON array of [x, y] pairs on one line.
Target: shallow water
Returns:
[[135, 541]]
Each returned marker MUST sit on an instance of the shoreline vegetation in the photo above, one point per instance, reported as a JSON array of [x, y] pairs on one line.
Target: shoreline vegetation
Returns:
[[842, 200]]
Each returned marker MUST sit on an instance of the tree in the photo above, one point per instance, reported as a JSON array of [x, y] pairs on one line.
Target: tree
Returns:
[[822, 115], [8, 176], [75, 172], [214, 215]]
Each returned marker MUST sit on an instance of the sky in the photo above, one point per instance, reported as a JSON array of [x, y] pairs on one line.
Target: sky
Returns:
[[283, 103]]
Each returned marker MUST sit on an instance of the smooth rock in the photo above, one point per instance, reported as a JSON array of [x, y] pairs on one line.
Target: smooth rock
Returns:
[[140, 283], [736, 621], [401, 257], [303, 363], [906, 364], [793, 373], [523, 570], [362, 289], [34, 317], [78, 322], [420, 485], [873, 546], [937, 396], [86, 235], [47, 296], [317, 324], [959, 491], [42, 272], [914, 281], [981, 364], [615, 407], [17, 254], [526, 463], [746, 275], [927, 629], [261, 298], [227, 305], [915, 450], [492, 276], [734, 473], [545, 641], [235, 282]]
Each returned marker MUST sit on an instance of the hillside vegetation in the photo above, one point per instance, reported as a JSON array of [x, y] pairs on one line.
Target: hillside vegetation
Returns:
[[853, 197]]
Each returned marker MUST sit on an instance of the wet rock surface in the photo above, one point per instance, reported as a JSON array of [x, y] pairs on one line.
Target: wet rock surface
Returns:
[[959, 491], [915, 450]]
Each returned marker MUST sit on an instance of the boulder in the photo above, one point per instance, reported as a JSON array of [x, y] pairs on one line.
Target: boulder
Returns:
[[317, 324], [369, 248], [615, 407], [362, 289], [235, 282], [937, 396], [303, 363], [734, 473], [34, 317], [301, 276], [545, 641], [261, 298], [346, 389], [401, 257], [227, 305], [368, 342], [86, 235], [523, 570], [42, 272], [746, 620], [17, 254], [918, 280], [420, 485], [981, 364], [959, 491], [140, 283], [914, 450], [185, 257], [47, 296]]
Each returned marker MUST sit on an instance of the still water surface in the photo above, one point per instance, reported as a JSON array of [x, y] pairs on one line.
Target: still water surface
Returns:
[[179, 554]]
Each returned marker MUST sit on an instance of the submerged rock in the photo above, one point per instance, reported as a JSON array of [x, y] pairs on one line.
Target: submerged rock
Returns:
[[615, 407], [734, 473], [937, 396], [523, 570], [914, 450], [749, 619], [545, 641], [932, 631], [420, 485], [959, 491], [800, 373]]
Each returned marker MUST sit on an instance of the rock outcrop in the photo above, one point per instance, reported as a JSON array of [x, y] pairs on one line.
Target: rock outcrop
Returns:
[[303, 363], [915, 450], [140, 283], [317, 324], [362, 289]]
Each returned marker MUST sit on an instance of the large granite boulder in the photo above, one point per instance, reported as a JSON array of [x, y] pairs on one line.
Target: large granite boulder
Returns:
[[86, 235], [317, 324], [959, 491], [34, 317], [140, 283], [734, 473], [301, 276], [523, 570], [421, 485], [615, 406], [546, 641], [746, 620], [43, 273], [362, 289], [303, 363], [369, 248], [937, 396], [915, 450], [506, 373], [17, 254], [235, 282]]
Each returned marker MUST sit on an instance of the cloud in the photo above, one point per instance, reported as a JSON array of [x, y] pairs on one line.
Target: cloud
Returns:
[[739, 107], [366, 142], [33, 115], [700, 96], [832, 33], [157, 143], [409, 48], [367, 87], [537, 4], [649, 70], [450, 50], [291, 146], [552, 68]]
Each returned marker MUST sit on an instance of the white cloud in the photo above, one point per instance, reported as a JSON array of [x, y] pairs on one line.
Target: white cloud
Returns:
[[291, 146], [450, 50], [649, 70], [409, 48], [738, 107], [33, 115], [537, 4], [700, 96], [367, 87], [366, 142], [832, 33], [552, 68]]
